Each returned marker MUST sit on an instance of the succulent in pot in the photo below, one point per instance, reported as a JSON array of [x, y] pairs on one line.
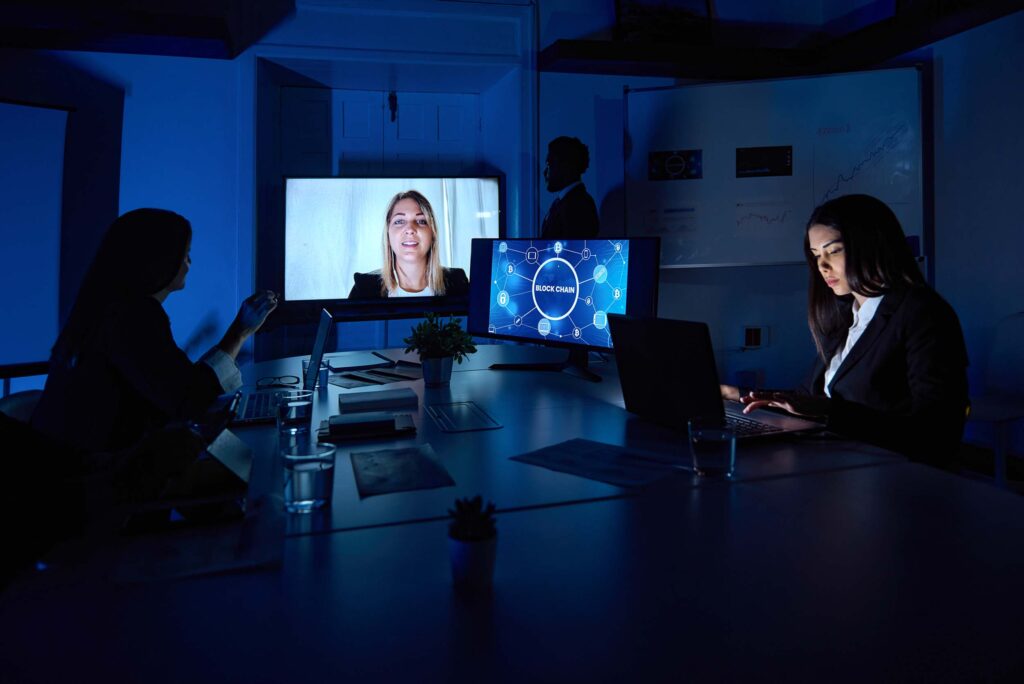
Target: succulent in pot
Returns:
[[472, 543]]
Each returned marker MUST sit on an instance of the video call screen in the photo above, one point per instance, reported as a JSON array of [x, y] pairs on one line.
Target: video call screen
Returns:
[[337, 227], [561, 291]]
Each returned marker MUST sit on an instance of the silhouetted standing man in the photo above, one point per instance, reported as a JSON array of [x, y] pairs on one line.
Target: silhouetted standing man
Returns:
[[573, 214]]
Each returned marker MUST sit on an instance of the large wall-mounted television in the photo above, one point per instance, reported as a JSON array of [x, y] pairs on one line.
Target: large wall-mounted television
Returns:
[[384, 247], [560, 292]]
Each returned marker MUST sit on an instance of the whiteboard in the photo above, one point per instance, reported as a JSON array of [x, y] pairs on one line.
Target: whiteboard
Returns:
[[728, 173]]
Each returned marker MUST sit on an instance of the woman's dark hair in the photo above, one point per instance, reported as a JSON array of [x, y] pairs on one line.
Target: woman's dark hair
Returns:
[[140, 254], [878, 259]]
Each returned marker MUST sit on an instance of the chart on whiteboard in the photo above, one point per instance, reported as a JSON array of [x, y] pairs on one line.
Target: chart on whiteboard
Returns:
[[873, 158], [727, 174]]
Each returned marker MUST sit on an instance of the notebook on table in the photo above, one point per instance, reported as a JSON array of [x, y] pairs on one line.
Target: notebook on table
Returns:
[[377, 400], [369, 425], [258, 407], [668, 374]]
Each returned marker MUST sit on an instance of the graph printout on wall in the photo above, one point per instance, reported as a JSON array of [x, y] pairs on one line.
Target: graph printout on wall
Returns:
[[728, 173]]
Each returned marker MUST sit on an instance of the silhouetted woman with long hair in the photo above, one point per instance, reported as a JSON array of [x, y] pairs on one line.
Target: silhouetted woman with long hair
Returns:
[[892, 364], [115, 371]]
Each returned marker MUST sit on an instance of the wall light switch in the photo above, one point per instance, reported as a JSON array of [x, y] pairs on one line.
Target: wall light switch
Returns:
[[755, 337]]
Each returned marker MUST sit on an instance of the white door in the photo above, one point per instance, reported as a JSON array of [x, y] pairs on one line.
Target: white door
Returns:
[[306, 118], [358, 133], [357, 145], [433, 133]]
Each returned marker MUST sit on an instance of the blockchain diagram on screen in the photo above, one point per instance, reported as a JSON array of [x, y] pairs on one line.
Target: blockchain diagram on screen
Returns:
[[558, 290]]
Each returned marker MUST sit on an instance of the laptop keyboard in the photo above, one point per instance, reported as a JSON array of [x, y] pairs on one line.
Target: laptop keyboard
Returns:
[[258, 406], [746, 427]]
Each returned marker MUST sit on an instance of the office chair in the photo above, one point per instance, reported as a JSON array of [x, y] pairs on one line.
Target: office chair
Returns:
[[1002, 404], [20, 405]]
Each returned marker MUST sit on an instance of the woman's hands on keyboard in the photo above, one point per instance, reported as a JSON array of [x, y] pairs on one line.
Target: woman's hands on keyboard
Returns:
[[792, 402]]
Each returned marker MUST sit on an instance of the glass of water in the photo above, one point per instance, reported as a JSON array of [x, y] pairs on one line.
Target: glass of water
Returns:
[[294, 412], [308, 476], [321, 376], [713, 448]]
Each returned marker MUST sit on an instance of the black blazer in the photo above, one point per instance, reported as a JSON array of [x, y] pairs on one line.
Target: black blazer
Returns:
[[130, 379], [574, 217], [368, 285], [904, 384]]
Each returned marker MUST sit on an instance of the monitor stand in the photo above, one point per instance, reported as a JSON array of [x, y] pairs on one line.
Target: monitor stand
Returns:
[[575, 364]]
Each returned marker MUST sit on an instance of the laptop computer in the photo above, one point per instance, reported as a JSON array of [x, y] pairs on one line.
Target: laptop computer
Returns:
[[668, 373], [258, 406]]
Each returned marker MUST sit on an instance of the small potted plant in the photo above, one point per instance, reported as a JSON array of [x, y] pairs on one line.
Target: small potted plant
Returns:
[[472, 543], [438, 344]]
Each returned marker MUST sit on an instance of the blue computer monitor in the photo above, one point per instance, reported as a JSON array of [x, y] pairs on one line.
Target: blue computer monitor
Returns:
[[560, 292]]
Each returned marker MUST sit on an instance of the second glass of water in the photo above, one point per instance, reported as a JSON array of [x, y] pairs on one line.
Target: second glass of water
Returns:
[[713, 448], [294, 412]]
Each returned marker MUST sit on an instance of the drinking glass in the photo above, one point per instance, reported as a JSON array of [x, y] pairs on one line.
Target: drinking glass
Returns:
[[294, 412], [712, 447], [308, 476], [321, 376]]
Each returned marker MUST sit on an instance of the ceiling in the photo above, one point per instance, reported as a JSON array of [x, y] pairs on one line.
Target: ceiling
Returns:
[[660, 39], [652, 38], [191, 28]]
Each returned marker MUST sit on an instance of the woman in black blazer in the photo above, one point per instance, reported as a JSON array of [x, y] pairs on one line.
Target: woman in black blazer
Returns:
[[371, 285], [892, 364], [116, 374], [411, 261]]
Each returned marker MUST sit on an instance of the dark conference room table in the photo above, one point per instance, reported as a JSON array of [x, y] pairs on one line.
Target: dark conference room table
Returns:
[[823, 563], [535, 409]]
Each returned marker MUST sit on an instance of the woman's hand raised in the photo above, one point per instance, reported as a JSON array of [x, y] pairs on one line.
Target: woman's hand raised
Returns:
[[255, 309], [251, 315]]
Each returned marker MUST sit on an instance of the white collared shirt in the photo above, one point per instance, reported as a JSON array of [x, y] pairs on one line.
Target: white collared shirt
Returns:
[[399, 292], [862, 315]]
